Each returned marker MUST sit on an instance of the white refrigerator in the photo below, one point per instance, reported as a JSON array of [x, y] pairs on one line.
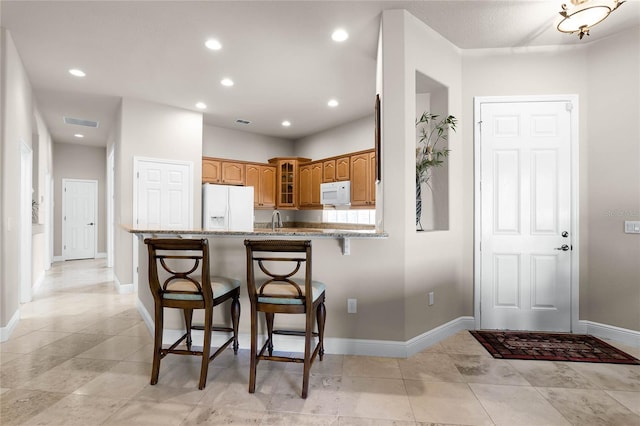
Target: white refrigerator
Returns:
[[227, 208]]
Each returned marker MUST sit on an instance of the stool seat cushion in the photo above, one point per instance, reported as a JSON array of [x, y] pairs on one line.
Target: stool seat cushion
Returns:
[[282, 293], [220, 286]]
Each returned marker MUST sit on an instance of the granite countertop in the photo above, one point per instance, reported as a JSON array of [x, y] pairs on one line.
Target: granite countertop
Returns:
[[267, 232]]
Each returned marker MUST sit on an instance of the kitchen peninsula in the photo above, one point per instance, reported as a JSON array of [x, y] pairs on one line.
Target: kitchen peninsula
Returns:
[[345, 235]]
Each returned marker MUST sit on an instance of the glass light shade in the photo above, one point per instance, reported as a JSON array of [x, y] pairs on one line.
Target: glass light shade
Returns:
[[586, 17]]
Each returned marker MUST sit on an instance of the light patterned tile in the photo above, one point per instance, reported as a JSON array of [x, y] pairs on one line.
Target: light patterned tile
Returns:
[[226, 416], [120, 382], [517, 405], [77, 410], [69, 376], [631, 400], [479, 369], [31, 341], [587, 407], [374, 397], [19, 405], [448, 403], [610, 376], [149, 413], [551, 374], [369, 366], [116, 348], [431, 367]]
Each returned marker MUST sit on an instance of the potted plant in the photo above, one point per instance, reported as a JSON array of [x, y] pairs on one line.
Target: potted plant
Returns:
[[432, 129]]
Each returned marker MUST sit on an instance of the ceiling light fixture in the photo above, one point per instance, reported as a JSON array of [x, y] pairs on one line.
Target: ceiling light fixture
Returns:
[[213, 44], [79, 135], [581, 15], [339, 35], [201, 105], [286, 123], [226, 82], [77, 72], [333, 103]]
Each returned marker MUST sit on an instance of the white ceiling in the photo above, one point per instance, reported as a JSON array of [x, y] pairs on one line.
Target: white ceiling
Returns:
[[279, 53]]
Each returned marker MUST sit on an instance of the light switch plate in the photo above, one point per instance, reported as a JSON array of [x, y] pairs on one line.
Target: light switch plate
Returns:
[[632, 226]]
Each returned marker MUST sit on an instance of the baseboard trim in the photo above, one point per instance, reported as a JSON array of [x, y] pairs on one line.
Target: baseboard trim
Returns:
[[101, 255], [332, 345], [122, 288], [58, 258], [619, 334], [5, 332]]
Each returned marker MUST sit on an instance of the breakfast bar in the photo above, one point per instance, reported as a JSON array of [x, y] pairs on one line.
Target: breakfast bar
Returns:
[[344, 235]]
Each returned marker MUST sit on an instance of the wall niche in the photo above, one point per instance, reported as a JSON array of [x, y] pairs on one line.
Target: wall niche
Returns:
[[432, 197]]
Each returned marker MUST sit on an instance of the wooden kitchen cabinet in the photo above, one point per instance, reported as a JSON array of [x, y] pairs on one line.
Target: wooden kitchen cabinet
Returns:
[[343, 168], [216, 170], [232, 173], [310, 177], [211, 171], [336, 169], [263, 179], [363, 179], [287, 180], [329, 171]]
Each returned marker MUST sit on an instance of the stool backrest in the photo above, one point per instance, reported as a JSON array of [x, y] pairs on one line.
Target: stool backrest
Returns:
[[188, 272], [289, 256]]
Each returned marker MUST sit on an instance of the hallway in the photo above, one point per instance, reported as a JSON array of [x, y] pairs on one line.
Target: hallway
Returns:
[[81, 355]]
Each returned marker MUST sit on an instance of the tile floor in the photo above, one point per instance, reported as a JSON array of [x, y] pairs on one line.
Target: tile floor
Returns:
[[81, 356]]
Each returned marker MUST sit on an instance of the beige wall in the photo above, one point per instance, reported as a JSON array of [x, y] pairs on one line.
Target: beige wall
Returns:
[[72, 161], [354, 136], [158, 131], [612, 258], [605, 75], [241, 145], [17, 116]]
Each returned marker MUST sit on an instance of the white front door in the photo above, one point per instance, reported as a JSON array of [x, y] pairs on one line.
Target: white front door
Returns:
[[79, 221], [525, 222]]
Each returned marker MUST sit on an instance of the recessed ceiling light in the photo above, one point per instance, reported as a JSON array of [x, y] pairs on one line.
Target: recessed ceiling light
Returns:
[[201, 105], [340, 35], [79, 135], [286, 123], [213, 44], [332, 103], [226, 82], [77, 72]]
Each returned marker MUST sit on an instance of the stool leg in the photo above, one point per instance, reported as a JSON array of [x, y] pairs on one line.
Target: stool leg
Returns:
[[235, 320], [308, 336], [269, 317], [321, 317], [254, 350], [206, 349], [188, 317], [157, 345]]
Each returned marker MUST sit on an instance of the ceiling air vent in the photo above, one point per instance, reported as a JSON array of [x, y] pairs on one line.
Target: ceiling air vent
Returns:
[[81, 122], [241, 121]]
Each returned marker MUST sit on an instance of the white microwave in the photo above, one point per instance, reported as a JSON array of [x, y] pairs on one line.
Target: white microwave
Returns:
[[335, 193]]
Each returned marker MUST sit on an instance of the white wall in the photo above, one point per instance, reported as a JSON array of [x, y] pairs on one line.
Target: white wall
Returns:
[[356, 135], [240, 145]]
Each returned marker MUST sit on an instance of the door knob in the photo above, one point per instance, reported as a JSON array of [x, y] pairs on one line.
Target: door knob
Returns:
[[563, 247], [565, 234], [91, 224]]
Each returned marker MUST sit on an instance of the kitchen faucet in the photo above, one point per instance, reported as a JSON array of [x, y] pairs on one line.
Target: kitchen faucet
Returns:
[[273, 220]]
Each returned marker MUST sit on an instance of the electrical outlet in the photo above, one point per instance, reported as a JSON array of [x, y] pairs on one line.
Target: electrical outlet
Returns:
[[430, 298], [352, 306]]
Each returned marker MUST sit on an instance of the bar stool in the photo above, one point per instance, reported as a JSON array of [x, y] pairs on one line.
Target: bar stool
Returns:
[[187, 285], [282, 293]]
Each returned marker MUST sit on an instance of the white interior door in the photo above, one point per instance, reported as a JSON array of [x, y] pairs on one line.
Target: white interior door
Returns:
[[164, 195], [79, 217], [525, 241]]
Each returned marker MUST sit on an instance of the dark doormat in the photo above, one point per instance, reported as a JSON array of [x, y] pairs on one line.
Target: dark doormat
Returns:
[[550, 347]]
